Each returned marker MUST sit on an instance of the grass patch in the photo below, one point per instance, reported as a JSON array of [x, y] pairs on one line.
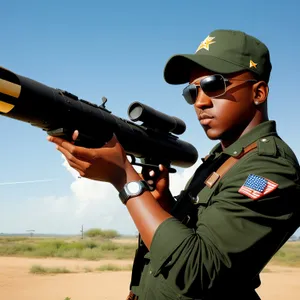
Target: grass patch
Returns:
[[266, 270], [112, 267], [40, 270], [37, 269], [288, 255], [99, 248], [87, 270], [89, 248]]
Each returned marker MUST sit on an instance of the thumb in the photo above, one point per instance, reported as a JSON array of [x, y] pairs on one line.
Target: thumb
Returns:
[[163, 178]]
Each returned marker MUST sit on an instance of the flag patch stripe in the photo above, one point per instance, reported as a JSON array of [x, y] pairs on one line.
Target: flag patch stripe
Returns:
[[256, 186]]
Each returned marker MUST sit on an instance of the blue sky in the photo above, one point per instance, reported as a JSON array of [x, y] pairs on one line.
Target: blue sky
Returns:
[[118, 49]]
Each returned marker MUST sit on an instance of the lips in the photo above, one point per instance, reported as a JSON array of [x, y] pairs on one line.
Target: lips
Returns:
[[204, 118]]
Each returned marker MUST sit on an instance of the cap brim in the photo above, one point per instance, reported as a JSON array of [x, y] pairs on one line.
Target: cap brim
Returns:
[[179, 67]]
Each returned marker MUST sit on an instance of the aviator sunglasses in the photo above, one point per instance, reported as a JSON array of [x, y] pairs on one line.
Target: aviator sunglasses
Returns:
[[213, 86]]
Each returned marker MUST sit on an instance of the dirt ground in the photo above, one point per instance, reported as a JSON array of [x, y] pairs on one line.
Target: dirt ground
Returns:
[[16, 283]]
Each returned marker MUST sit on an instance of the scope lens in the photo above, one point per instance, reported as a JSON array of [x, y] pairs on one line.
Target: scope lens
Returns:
[[135, 112]]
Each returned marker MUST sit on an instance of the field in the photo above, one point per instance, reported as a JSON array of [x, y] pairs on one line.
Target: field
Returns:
[[99, 268]]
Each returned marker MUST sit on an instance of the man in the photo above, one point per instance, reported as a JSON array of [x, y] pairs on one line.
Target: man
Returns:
[[242, 203]]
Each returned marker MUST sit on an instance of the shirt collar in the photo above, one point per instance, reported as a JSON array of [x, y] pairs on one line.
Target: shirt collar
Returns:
[[260, 131]]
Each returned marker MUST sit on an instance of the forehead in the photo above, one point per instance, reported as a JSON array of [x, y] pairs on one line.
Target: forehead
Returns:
[[199, 73]]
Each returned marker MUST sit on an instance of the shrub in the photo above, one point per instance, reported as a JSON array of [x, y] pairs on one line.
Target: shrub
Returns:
[[94, 232], [37, 269], [97, 232]]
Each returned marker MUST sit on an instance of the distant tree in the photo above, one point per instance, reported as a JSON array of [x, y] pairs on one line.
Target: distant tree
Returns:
[[97, 232]]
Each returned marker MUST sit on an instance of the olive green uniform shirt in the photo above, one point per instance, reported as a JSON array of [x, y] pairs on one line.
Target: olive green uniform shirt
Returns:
[[234, 236]]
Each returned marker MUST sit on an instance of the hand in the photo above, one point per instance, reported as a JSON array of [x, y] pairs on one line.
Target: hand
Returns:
[[161, 183], [107, 163], [158, 180]]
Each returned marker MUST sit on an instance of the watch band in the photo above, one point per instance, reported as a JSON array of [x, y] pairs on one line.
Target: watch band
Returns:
[[133, 189]]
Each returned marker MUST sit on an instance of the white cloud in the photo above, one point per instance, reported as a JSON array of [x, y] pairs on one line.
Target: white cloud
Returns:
[[89, 203], [96, 204]]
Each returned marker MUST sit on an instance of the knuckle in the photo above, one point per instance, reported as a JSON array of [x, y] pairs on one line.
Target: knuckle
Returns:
[[72, 151], [69, 156]]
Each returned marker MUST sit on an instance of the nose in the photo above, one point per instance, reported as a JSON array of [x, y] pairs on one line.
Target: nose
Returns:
[[202, 100]]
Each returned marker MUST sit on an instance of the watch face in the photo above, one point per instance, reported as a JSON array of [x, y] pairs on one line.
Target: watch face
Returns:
[[133, 187]]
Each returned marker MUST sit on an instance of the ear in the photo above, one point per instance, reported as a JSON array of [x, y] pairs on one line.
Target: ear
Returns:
[[260, 92]]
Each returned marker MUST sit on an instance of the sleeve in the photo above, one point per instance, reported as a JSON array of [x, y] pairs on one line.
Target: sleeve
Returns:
[[235, 235]]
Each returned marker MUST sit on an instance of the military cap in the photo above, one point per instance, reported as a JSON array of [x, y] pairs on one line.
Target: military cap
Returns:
[[222, 51]]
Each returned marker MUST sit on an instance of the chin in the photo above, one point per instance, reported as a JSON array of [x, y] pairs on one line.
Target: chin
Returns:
[[213, 134]]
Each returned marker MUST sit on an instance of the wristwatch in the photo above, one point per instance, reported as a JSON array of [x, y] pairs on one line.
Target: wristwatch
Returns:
[[133, 189]]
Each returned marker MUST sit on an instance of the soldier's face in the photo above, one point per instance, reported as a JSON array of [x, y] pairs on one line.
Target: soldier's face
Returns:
[[225, 117]]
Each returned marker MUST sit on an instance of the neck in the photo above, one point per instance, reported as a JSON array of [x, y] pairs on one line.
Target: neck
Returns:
[[234, 135]]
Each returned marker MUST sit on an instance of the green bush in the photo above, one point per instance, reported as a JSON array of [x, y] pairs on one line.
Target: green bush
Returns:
[[110, 234], [93, 232], [15, 248], [97, 232], [109, 246]]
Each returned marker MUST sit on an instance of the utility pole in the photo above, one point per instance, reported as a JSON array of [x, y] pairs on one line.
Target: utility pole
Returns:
[[31, 231], [81, 232]]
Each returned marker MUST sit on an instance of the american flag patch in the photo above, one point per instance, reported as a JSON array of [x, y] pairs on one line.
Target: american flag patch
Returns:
[[256, 186]]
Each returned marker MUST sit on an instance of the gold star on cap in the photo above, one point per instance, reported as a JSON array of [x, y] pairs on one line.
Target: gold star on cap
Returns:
[[252, 64], [205, 44]]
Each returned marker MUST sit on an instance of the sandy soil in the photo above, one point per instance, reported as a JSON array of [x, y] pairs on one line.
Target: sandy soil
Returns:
[[16, 283]]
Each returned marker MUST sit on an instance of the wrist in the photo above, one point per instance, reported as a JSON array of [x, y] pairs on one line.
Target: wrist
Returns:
[[129, 175], [133, 189]]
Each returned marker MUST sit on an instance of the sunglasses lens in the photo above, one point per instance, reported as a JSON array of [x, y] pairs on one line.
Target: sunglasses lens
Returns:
[[190, 93], [213, 86]]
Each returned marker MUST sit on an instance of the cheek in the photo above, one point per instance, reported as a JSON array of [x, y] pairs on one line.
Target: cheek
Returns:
[[226, 111], [231, 111]]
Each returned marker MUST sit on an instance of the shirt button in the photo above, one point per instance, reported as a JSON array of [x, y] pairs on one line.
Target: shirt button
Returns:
[[150, 272], [234, 152], [264, 140]]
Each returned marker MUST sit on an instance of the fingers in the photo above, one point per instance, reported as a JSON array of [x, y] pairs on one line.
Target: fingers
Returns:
[[71, 151], [152, 176], [56, 140], [70, 145], [61, 142], [164, 170], [77, 168], [152, 173], [75, 135], [161, 172], [72, 159]]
